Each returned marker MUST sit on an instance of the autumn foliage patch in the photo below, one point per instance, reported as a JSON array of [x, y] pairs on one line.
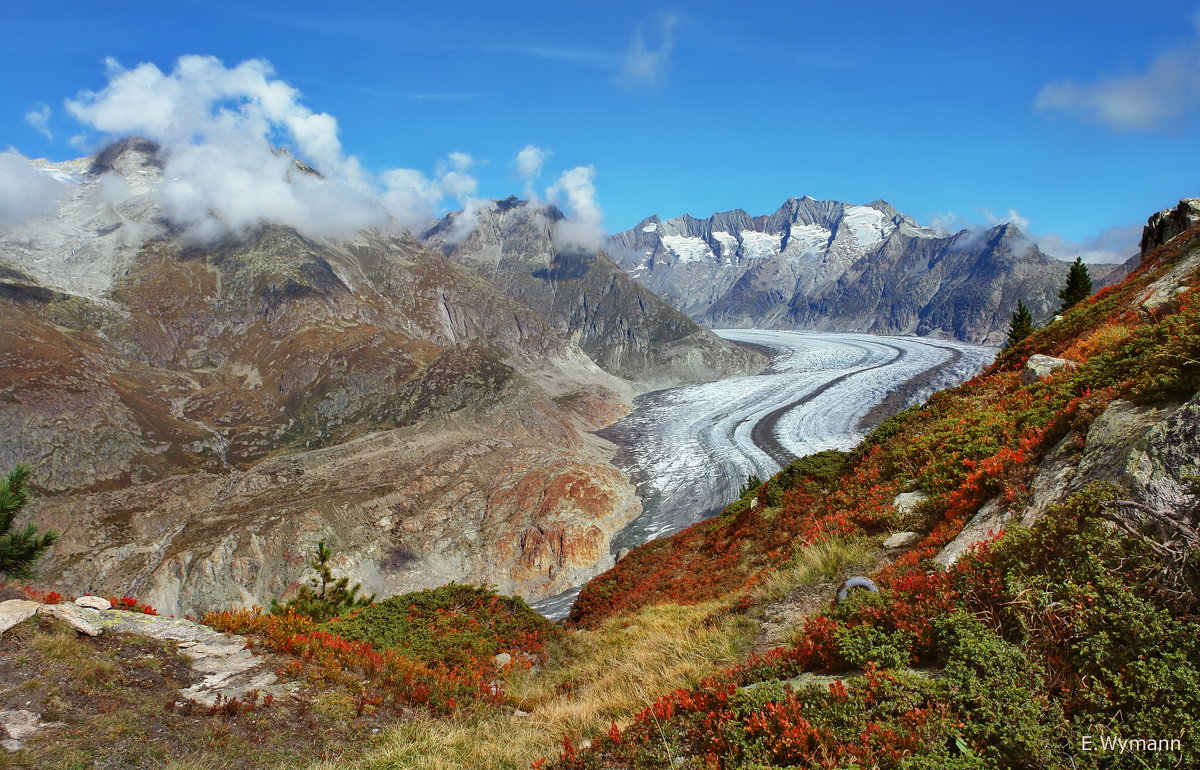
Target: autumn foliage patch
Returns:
[[430, 649]]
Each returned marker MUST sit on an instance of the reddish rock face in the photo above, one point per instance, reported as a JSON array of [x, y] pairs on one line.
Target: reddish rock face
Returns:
[[200, 424]]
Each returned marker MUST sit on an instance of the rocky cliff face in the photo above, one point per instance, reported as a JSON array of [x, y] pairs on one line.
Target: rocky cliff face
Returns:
[[584, 295], [837, 267], [199, 416], [1159, 229]]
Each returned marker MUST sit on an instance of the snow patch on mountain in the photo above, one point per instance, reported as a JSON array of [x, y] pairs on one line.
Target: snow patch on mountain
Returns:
[[650, 228], [756, 245], [687, 248], [727, 242], [807, 239], [868, 226]]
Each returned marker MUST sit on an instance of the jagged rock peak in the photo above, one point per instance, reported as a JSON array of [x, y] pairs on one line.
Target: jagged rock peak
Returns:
[[130, 154], [509, 203], [840, 266], [1168, 223]]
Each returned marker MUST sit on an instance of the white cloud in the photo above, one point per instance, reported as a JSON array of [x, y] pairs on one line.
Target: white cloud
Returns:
[[1113, 245], [529, 161], [1162, 96], [39, 118], [644, 65], [1013, 217], [25, 192], [460, 161], [220, 128], [576, 188], [947, 222]]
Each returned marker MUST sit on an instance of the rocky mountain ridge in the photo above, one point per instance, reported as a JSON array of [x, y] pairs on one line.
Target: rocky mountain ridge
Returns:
[[580, 292], [832, 266]]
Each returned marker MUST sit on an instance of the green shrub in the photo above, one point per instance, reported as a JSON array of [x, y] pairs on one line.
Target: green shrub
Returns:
[[1009, 714], [451, 625], [861, 644], [817, 471]]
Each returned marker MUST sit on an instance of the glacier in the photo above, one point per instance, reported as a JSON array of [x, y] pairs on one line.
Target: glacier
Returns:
[[689, 449]]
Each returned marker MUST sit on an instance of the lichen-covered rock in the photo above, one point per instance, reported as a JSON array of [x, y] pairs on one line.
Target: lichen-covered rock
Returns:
[[84, 620], [1151, 451], [1039, 367], [901, 540], [227, 669], [19, 724], [906, 502], [983, 526], [16, 611]]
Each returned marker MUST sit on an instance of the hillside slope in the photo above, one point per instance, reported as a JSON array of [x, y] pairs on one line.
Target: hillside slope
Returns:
[[1040, 608]]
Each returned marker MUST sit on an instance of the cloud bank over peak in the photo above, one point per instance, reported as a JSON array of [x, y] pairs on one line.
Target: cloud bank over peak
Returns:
[[1114, 245], [220, 129]]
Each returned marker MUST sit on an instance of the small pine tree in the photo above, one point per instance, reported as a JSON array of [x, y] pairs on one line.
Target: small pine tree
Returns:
[[19, 550], [1020, 325], [324, 598], [753, 482], [1079, 285]]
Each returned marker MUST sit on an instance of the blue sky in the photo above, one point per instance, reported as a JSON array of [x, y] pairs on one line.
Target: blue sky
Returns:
[[1070, 117]]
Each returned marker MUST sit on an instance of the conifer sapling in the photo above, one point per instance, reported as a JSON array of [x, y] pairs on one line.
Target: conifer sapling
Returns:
[[1079, 285], [324, 598], [1020, 325]]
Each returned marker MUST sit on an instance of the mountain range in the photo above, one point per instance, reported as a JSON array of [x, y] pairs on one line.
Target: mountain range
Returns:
[[835, 266], [580, 292]]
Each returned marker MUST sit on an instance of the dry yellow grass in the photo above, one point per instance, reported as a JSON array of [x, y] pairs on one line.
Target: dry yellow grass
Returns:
[[821, 561], [602, 676], [1103, 339]]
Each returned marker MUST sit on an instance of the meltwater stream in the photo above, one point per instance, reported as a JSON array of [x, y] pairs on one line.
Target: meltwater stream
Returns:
[[689, 449]]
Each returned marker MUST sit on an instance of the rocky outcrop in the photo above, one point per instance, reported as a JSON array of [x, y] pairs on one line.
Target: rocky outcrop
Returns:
[[1039, 367], [1151, 451], [833, 266], [1159, 229], [199, 416], [15, 611], [1169, 223], [584, 295], [224, 668], [18, 725], [901, 540], [84, 620]]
